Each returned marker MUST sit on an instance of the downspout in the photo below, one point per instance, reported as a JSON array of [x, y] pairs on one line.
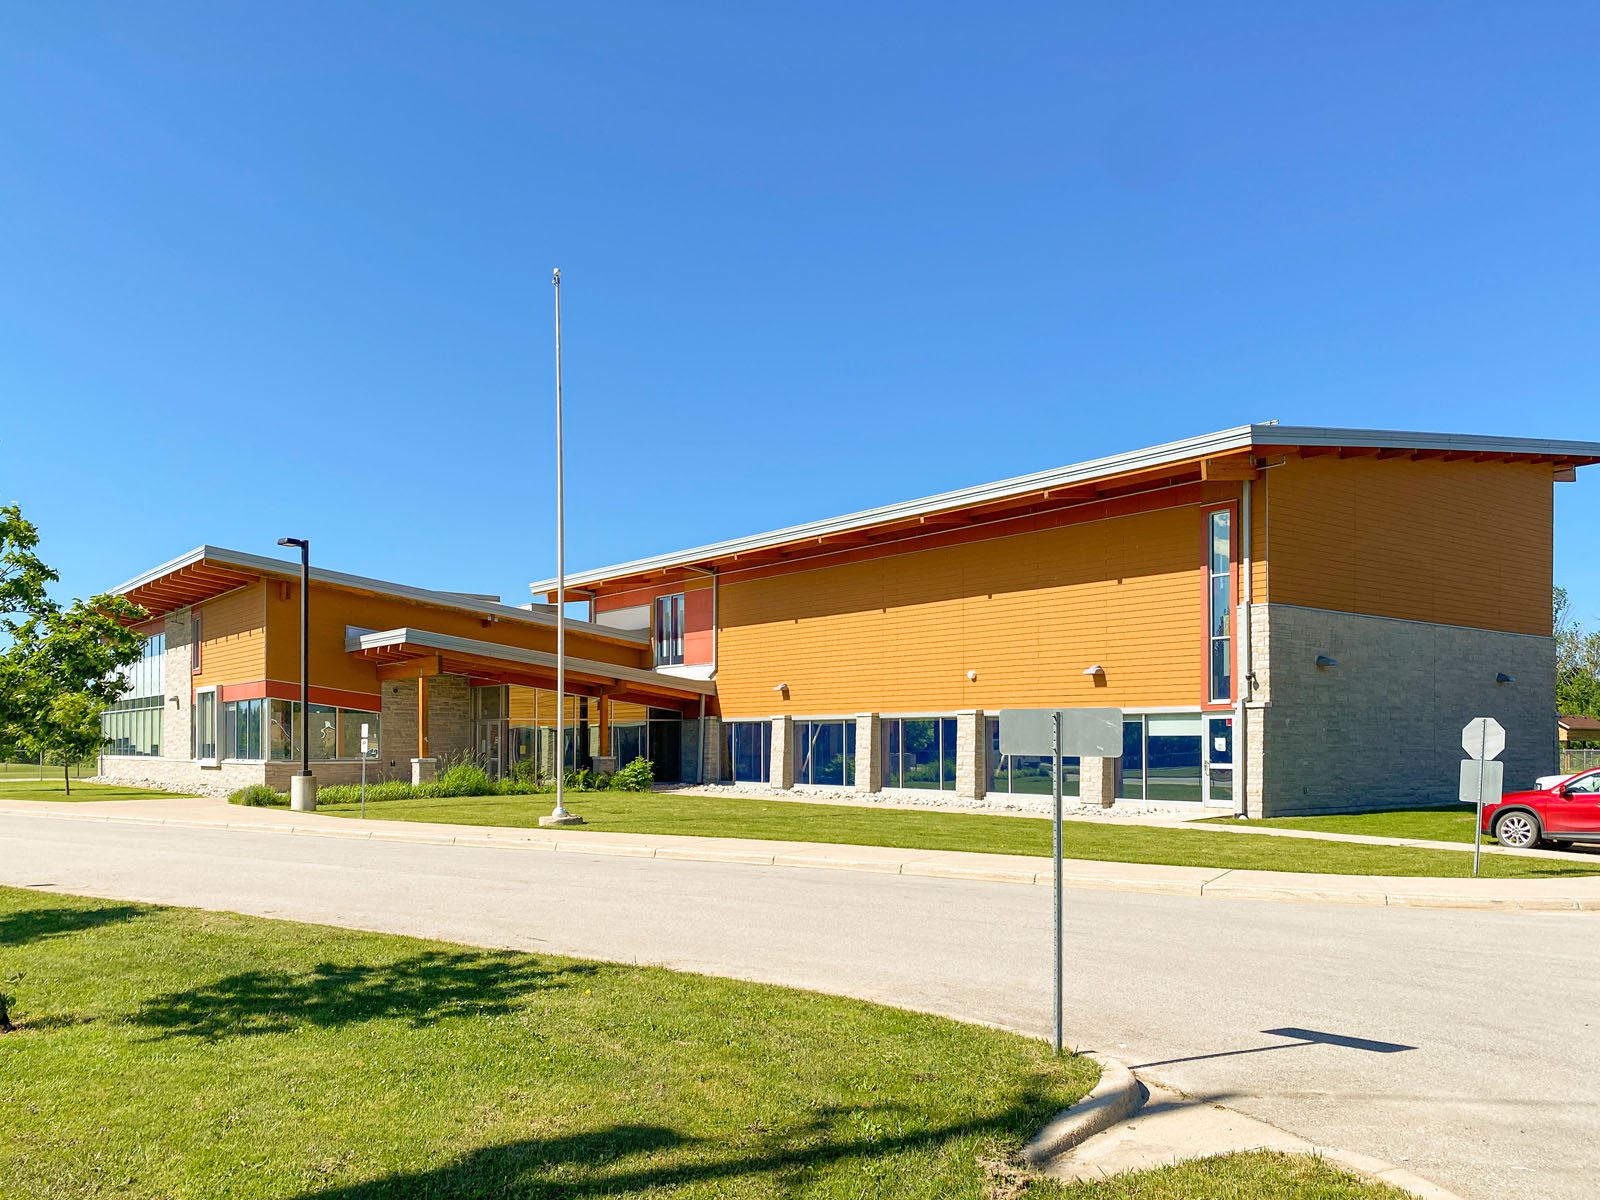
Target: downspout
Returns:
[[1242, 681]]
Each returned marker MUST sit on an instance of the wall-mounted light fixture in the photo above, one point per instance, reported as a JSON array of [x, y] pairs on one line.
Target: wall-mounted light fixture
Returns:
[[1097, 669], [176, 703], [972, 677], [783, 688], [1502, 677], [1324, 661]]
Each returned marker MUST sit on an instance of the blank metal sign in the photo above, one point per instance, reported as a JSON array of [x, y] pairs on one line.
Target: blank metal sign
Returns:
[[1085, 732]]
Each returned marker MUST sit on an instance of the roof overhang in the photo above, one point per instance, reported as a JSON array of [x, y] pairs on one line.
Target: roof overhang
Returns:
[[208, 571], [1228, 455], [407, 653]]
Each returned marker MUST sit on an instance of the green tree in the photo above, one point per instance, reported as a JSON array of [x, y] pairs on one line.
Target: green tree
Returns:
[[60, 667], [1577, 661]]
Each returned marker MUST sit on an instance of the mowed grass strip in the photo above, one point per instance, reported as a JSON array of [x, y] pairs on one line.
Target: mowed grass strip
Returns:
[[1256, 1175], [177, 1053], [789, 821], [1426, 824], [19, 788]]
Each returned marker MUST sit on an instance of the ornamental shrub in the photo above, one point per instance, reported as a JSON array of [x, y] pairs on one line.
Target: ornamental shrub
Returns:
[[259, 795], [465, 779], [637, 776]]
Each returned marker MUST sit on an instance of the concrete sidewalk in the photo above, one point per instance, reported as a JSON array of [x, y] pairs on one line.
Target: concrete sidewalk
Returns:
[[1529, 895]]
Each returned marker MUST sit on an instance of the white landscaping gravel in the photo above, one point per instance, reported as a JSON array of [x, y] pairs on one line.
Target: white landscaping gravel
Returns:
[[996, 803]]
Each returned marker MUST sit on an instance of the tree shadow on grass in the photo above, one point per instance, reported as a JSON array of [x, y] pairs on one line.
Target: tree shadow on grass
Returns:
[[422, 990], [39, 924], [606, 1162]]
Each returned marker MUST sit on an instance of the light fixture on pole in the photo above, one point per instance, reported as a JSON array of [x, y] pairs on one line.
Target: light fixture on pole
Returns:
[[303, 787], [560, 816]]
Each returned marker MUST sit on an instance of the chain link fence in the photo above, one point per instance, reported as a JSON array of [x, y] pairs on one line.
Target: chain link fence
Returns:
[[38, 768], [1579, 760]]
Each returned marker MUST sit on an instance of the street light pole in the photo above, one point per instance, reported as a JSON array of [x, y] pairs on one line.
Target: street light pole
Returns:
[[560, 816], [303, 787]]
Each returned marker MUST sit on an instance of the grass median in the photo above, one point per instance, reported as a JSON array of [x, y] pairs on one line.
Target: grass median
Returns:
[[167, 1052], [1424, 824], [785, 820], [171, 1052], [14, 788]]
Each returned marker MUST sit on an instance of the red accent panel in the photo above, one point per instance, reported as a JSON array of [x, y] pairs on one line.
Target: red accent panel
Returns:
[[697, 626], [697, 647], [277, 689]]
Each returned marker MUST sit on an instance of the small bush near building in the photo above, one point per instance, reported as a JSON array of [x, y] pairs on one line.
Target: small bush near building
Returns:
[[464, 779], [259, 795], [637, 776]]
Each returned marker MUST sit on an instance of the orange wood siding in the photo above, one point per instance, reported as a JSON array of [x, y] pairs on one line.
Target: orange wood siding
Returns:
[[1455, 543], [233, 637], [332, 609], [1028, 613], [522, 709]]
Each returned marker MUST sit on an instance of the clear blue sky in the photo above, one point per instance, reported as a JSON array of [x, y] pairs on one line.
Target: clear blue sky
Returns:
[[284, 269]]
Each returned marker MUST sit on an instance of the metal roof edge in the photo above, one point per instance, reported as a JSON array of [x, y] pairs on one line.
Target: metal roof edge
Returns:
[[1237, 438], [1151, 456], [379, 639], [277, 566]]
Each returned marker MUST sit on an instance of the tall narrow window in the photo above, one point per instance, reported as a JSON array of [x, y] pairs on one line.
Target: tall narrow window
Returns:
[[669, 629], [1219, 593], [205, 725]]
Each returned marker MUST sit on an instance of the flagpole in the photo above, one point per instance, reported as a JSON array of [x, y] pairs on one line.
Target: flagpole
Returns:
[[560, 816]]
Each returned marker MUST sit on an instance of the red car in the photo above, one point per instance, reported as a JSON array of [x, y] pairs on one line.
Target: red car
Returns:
[[1568, 811]]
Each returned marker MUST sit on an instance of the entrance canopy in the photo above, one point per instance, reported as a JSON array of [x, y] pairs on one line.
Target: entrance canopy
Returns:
[[408, 653]]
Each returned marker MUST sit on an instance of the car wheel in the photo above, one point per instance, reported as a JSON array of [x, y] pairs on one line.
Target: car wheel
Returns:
[[1519, 830]]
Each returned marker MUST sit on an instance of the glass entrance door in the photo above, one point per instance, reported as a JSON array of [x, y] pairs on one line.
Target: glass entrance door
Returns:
[[1219, 760], [489, 747]]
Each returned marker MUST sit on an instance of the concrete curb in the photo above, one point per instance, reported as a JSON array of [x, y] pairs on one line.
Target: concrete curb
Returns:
[[1514, 895], [1119, 1095], [1115, 1098]]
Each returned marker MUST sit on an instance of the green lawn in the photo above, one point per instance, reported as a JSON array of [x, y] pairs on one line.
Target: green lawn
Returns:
[[1257, 1175], [1432, 824], [14, 788], [178, 1053], [784, 820], [175, 1053]]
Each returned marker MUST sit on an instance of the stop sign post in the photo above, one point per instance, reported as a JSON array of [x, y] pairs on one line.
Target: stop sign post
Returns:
[[1483, 738]]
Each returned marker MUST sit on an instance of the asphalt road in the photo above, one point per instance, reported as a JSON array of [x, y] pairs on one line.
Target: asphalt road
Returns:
[[1464, 1046]]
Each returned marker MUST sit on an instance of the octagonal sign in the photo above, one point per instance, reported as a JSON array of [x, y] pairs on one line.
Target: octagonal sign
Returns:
[[1483, 737]]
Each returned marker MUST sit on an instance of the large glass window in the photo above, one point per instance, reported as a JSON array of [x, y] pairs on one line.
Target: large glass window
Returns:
[[1173, 753], [350, 722], [241, 728], [919, 752], [1219, 573], [747, 751], [1026, 774], [629, 742], [1132, 762], [132, 725], [825, 752], [669, 629], [335, 732]]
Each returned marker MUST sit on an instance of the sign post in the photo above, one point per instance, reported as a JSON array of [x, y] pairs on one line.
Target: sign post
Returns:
[[1056, 882], [364, 745], [1483, 739], [1086, 733]]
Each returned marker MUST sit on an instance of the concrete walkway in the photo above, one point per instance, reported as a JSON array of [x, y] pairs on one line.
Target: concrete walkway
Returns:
[[1529, 895]]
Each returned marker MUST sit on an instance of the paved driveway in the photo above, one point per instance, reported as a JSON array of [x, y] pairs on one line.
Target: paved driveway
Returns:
[[1462, 1045]]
